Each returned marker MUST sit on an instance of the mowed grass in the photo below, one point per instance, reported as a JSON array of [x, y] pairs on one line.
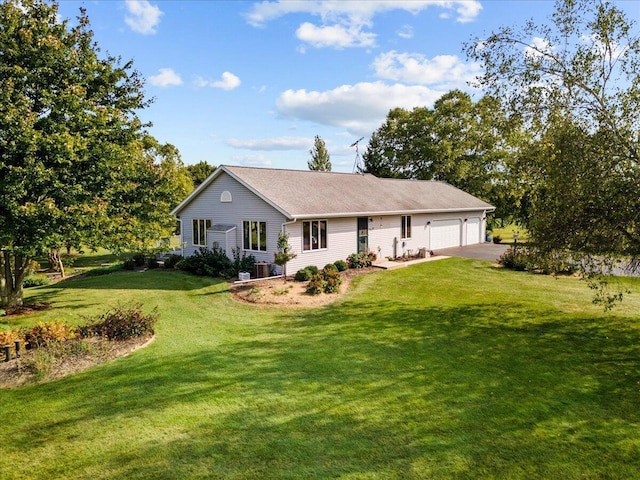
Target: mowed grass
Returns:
[[447, 369]]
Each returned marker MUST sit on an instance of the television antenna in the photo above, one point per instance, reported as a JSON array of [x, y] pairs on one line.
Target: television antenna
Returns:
[[356, 163]]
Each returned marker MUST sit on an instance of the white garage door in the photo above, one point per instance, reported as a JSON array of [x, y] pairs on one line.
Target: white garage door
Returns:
[[473, 231], [445, 234]]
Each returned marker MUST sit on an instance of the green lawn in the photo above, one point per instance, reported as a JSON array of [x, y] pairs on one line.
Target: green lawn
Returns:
[[446, 369]]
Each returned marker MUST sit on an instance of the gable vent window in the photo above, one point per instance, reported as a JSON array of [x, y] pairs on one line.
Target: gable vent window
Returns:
[[226, 197], [200, 231]]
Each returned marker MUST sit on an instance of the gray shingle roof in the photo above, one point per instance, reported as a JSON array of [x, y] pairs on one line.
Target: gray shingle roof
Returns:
[[304, 193]]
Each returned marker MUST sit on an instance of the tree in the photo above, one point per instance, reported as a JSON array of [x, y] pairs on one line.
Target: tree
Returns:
[[458, 141], [74, 162], [199, 172], [284, 254], [320, 159], [574, 82]]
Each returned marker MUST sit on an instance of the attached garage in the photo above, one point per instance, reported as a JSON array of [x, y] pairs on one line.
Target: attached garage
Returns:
[[473, 231], [445, 234]]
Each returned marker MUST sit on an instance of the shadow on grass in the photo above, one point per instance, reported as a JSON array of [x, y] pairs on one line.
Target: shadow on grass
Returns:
[[400, 392], [159, 279]]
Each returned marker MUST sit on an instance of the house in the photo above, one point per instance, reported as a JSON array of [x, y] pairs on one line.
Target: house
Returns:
[[327, 215]]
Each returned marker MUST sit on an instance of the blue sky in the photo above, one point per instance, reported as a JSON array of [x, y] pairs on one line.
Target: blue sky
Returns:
[[252, 83]]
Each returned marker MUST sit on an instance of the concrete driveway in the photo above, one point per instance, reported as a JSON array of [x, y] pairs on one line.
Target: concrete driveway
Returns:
[[481, 251]]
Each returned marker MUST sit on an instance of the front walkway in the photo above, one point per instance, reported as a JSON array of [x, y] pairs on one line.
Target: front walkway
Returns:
[[481, 251]]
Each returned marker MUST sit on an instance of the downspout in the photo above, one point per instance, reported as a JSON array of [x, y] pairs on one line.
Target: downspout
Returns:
[[289, 223], [284, 225]]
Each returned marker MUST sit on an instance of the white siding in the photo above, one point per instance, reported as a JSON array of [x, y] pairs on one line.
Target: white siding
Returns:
[[245, 205], [342, 240]]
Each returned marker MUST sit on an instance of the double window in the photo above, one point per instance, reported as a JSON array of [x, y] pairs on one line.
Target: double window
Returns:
[[405, 226], [314, 235], [254, 235], [200, 231]]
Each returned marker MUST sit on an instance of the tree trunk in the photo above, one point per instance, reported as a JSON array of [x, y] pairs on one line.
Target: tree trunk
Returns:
[[55, 261], [13, 269]]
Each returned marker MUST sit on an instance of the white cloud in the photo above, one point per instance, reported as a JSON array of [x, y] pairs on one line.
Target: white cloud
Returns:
[[263, 12], [344, 23], [360, 108], [537, 48], [271, 144], [252, 161], [406, 32], [336, 36], [144, 17], [166, 78], [228, 81], [445, 71]]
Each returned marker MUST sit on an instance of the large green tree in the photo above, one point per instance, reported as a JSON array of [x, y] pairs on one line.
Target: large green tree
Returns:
[[458, 141], [199, 172], [75, 162], [320, 158], [574, 82]]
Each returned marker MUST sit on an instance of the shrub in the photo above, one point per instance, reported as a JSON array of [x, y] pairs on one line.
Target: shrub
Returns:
[[326, 281], [213, 263], [341, 265], [241, 263], [172, 260], [121, 323], [332, 279], [303, 275], [330, 266], [359, 260], [313, 269], [152, 263], [35, 281], [316, 285], [129, 264], [515, 259], [497, 239], [139, 259], [44, 334]]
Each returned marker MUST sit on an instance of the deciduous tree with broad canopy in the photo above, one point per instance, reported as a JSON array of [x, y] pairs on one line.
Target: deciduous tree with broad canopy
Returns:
[[76, 164], [574, 83], [458, 141]]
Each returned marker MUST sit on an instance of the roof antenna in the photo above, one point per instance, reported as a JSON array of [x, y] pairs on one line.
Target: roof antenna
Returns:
[[357, 168]]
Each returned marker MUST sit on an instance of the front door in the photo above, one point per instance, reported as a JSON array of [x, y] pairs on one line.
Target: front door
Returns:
[[363, 235]]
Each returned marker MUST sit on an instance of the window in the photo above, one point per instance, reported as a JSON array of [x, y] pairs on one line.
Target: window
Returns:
[[254, 235], [200, 231], [314, 235], [405, 227]]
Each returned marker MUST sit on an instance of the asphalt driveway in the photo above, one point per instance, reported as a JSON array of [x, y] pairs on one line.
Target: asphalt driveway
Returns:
[[481, 251]]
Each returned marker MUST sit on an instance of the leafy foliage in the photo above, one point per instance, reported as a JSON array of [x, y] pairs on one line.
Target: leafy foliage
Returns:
[[44, 334], [341, 265], [172, 260], [359, 260], [76, 165], [458, 141], [573, 82], [121, 323], [328, 280], [284, 253], [199, 172]]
